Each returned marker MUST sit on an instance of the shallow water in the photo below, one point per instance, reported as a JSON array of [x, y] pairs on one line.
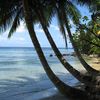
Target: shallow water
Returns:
[[21, 71]]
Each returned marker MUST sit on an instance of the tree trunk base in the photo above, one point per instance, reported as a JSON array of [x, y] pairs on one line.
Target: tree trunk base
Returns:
[[90, 93]]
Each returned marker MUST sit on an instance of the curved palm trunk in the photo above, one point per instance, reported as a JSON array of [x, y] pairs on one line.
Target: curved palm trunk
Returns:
[[62, 87], [83, 62], [65, 38], [82, 78], [66, 44]]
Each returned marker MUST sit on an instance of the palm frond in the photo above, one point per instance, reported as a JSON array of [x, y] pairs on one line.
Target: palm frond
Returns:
[[93, 5], [49, 12], [61, 24], [82, 2], [7, 13], [15, 24], [72, 12], [5, 21]]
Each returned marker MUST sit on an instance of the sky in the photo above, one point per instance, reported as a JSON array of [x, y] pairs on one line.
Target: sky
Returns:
[[21, 38]]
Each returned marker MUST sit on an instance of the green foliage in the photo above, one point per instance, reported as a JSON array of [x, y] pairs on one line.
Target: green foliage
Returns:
[[95, 49], [82, 44], [85, 18], [86, 37]]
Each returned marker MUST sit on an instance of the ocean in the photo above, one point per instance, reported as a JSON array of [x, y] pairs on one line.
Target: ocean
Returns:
[[22, 72]]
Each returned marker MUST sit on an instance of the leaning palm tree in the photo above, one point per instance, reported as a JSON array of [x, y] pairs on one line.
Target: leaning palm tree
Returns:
[[63, 61], [54, 46], [43, 21], [11, 14], [82, 78], [62, 87], [63, 12], [16, 22]]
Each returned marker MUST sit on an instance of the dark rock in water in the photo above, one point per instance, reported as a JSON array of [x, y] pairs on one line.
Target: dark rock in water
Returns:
[[73, 54], [64, 54], [50, 55]]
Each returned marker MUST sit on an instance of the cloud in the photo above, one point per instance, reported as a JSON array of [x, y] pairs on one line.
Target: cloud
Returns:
[[55, 27], [39, 30], [19, 39], [3, 38], [12, 39], [21, 28]]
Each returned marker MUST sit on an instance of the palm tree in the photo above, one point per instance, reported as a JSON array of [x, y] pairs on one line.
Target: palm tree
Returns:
[[86, 66], [42, 20], [10, 16], [73, 71], [62, 9], [58, 83], [14, 21]]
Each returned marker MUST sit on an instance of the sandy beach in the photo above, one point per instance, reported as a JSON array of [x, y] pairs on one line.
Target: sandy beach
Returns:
[[95, 63]]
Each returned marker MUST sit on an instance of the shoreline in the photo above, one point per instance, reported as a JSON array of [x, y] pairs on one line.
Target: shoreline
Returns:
[[94, 63]]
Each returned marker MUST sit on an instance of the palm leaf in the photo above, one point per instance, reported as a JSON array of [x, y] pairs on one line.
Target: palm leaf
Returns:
[[93, 5], [72, 12], [7, 13], [61, 25], [6, 17], [15, 24], [5, 21]]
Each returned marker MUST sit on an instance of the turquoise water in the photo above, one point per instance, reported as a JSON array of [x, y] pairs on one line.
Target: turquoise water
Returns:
[[20, 67], [21, 59]]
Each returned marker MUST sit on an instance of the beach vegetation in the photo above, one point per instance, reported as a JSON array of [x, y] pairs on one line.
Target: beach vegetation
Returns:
[[88, 39]]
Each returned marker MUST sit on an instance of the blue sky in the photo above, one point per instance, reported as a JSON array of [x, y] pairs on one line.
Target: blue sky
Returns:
[[21, 37]]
